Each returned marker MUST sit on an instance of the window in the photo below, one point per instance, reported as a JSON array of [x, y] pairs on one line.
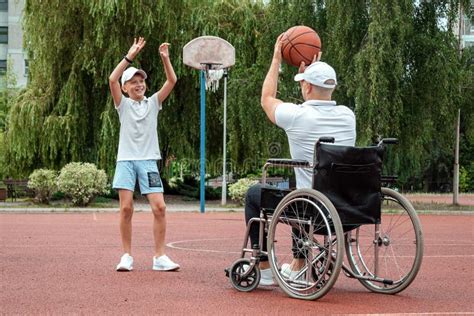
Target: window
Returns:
[[3, 35], [3, 66], [3, 5]]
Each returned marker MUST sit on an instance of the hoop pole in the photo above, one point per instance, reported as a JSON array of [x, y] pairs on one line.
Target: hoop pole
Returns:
[[203, 142], [224, 159]]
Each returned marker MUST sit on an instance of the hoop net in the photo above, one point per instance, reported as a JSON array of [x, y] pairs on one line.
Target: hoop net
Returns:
[[212, 79]]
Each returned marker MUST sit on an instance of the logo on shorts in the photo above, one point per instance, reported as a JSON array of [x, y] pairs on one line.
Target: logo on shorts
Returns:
[[154, 180]]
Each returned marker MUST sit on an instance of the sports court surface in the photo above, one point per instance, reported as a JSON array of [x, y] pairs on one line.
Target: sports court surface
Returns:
[[64, 264]]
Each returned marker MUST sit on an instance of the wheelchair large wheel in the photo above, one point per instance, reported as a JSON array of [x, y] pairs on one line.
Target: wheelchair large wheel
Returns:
[[306, 225], [394, 253]]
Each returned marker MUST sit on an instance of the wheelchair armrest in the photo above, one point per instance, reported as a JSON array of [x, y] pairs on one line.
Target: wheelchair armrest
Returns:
[[388, 141], [386, 179], [289, 163]]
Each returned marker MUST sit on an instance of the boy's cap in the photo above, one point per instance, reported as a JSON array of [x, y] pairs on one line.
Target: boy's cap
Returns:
[[317, 74], [130, 72]]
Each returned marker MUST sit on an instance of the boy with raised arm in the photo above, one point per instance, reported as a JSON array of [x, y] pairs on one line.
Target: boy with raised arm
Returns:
[[139, 150]]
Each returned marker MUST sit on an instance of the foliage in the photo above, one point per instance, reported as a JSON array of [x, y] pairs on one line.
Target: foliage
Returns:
[[3, 166], [44, 182], [189, 187], [238, 190], [81, 182], [466, 178], [398, 63], [7, 93]]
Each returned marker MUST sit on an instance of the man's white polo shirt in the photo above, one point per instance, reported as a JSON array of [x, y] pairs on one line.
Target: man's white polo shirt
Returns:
[[305, 123]]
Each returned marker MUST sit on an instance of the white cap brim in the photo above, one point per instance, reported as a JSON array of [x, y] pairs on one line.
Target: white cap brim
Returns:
[[299, 77]]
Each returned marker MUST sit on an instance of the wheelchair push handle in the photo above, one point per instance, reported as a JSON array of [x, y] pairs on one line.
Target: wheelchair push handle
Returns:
[[326, 139]]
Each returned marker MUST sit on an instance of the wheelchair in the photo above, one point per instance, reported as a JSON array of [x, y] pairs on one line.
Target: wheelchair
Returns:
[[347, 211]]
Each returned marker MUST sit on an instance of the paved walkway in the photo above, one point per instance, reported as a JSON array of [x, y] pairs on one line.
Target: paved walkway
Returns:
[[178, 204], [173, 204]]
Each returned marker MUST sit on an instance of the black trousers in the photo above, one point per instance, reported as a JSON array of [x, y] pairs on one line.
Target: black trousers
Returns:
[[252, 209]]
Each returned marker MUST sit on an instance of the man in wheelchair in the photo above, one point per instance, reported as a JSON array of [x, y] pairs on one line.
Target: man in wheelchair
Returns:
[[339, 207], [304, 124]]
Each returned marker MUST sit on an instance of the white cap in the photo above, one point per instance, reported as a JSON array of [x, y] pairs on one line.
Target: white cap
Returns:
[[130, 72], [317, 74]]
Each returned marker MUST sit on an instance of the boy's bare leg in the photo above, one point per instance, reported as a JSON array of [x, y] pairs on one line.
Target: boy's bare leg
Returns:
[[126, 213], [158, 207]]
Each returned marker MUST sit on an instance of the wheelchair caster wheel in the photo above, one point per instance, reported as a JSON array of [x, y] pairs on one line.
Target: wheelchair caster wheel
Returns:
[[242, 282]]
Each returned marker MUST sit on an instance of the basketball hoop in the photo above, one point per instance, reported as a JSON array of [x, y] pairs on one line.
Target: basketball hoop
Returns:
[[212, 79], [212, 56]]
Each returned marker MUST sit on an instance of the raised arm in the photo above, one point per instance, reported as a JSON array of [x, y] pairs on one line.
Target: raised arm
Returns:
[[114, 77], [269, 100], [169, 72]]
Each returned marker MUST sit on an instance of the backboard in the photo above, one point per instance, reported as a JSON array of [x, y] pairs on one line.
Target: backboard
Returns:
[[208, 51]]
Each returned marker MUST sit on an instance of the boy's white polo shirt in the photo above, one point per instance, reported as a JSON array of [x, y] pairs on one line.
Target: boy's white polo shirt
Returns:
[[305, 123], [138, 129]]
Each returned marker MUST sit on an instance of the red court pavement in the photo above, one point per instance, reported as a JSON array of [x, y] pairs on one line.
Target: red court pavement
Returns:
[[64, 264]]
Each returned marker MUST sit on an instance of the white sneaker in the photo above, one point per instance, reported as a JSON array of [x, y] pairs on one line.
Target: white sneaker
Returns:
[[164, 263], [126, 263], [288, 273], [266, 277]]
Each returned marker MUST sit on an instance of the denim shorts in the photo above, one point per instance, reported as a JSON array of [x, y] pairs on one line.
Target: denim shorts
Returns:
[[145, 171]]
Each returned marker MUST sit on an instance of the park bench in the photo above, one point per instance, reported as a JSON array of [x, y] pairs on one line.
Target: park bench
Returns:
[[17, 188]]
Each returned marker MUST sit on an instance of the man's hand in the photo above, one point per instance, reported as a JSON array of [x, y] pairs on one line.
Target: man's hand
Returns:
[[315, 59], [277, 51], [136, 48], [164, 53]]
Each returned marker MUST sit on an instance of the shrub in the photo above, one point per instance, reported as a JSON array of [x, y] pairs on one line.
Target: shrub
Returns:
[[81, 182], [189, 187], [43, 181], [465, 179], [238, 189]]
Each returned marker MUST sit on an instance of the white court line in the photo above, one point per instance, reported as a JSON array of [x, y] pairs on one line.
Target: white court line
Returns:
[[432, 313], [174, 244]]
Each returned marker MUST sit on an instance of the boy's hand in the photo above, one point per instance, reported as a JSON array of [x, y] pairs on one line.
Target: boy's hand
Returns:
[[164, 53], [136, 48]]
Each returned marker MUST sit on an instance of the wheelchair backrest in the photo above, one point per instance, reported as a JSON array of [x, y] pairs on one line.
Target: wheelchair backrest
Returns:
[[350, 178]]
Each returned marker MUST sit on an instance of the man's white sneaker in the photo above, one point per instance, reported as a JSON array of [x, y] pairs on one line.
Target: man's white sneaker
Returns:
[[266, 277], [126, 263], [164, 263], [288, 273]]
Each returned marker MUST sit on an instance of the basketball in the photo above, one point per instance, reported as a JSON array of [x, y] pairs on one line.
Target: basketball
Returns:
[[300, 43]]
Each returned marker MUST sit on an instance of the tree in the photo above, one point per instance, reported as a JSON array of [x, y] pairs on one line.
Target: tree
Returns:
[[397, 62]]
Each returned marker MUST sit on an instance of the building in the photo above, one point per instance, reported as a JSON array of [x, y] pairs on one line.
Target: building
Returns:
[[465, 28], [11, 41]]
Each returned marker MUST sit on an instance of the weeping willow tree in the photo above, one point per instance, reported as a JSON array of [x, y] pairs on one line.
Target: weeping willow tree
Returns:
[[66, 114], [397, 62]]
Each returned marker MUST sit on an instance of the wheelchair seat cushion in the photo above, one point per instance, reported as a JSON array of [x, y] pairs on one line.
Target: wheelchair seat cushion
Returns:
[[350, 178]]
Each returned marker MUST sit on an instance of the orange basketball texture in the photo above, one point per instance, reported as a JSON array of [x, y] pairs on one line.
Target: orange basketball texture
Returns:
[[300, 43]]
